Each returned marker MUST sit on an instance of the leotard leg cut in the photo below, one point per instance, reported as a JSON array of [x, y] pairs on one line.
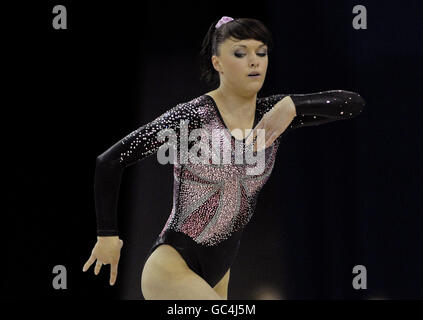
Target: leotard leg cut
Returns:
[[210, 263]]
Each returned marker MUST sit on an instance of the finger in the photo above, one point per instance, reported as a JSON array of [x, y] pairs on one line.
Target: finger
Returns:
[[270, 141], [260, 126], [260, 142], [249, 137], [253, 133], [97, 267], [256, 144], [249, 133], [261, 139], [88, 263], [113, 273], [260, 147]]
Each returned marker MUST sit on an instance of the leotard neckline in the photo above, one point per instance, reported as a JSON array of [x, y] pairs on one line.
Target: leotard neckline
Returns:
[[223, 122]]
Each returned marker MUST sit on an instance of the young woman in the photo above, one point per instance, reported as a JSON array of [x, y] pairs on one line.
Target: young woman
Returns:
[[192, 255]]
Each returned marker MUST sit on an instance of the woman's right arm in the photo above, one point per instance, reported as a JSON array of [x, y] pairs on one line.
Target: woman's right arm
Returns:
[[108, 172], [134, 147]]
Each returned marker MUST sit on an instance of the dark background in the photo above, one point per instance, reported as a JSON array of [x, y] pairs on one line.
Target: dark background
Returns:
[[341, 194]]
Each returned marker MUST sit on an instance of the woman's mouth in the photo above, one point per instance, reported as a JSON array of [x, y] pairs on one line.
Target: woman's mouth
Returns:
[[254, 75]]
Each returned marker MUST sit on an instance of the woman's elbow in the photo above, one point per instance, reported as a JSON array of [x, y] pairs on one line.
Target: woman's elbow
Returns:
[[359, 104], [106, 160], [356, 105]]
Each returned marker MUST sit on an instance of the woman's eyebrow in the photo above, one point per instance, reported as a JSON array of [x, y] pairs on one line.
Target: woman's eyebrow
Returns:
[[241, 45]]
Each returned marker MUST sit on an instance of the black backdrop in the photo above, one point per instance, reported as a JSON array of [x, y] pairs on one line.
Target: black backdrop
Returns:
[[342, 194]]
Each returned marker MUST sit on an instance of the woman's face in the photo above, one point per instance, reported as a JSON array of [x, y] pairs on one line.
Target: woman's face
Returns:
[[236, 60]]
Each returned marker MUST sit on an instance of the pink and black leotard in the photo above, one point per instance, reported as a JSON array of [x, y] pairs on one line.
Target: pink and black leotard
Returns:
[[212, 202]]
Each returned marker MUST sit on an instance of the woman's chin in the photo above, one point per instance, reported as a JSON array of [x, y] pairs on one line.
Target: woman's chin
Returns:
[[254, 87]]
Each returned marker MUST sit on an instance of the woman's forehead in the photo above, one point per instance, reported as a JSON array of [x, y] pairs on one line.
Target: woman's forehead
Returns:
[[230, 42]]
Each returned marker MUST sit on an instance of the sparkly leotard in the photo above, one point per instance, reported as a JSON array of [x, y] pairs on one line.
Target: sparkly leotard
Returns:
[[212, 202]]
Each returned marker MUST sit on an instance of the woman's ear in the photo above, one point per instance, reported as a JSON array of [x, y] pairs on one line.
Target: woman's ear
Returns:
[[215, 63]]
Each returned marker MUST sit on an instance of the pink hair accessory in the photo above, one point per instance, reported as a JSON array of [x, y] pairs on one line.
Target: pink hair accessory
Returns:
[[223, 20]]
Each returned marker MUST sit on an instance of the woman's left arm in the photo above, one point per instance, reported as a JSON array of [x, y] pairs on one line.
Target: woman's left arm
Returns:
[[322, 107], [284, 112]]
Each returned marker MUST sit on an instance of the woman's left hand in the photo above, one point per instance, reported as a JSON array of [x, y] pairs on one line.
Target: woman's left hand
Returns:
[[274, 122]]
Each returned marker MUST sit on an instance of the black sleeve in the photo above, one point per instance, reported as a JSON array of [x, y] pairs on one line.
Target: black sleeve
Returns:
[[327, 106], [134, 147], [322, 107]]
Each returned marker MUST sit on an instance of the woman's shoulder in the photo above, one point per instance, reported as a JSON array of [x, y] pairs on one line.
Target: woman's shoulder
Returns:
[[197, 102], [271, 99], [199, 107], [267, 102]]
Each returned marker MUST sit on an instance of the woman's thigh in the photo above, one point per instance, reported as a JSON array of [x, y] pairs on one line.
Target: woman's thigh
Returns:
[[166, 276]]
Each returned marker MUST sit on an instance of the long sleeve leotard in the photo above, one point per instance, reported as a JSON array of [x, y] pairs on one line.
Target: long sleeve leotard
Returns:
[[212, 203]]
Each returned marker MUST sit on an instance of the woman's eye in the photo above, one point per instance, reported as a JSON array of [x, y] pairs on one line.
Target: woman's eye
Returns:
[[240, 55]]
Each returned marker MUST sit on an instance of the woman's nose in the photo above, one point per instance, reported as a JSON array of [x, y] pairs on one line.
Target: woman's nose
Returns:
[[254, 62]]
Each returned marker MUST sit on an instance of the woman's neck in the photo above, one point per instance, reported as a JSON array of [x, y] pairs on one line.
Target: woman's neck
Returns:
[[234, 105], [237, 112]]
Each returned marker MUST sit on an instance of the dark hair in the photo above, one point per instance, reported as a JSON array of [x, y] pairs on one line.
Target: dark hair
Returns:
[[240, 29]]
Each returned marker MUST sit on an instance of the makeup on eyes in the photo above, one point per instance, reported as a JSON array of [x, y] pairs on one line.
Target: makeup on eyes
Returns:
[[239, 54]]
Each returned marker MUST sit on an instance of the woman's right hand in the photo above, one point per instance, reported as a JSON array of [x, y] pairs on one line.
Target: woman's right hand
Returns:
[[106, 251]]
